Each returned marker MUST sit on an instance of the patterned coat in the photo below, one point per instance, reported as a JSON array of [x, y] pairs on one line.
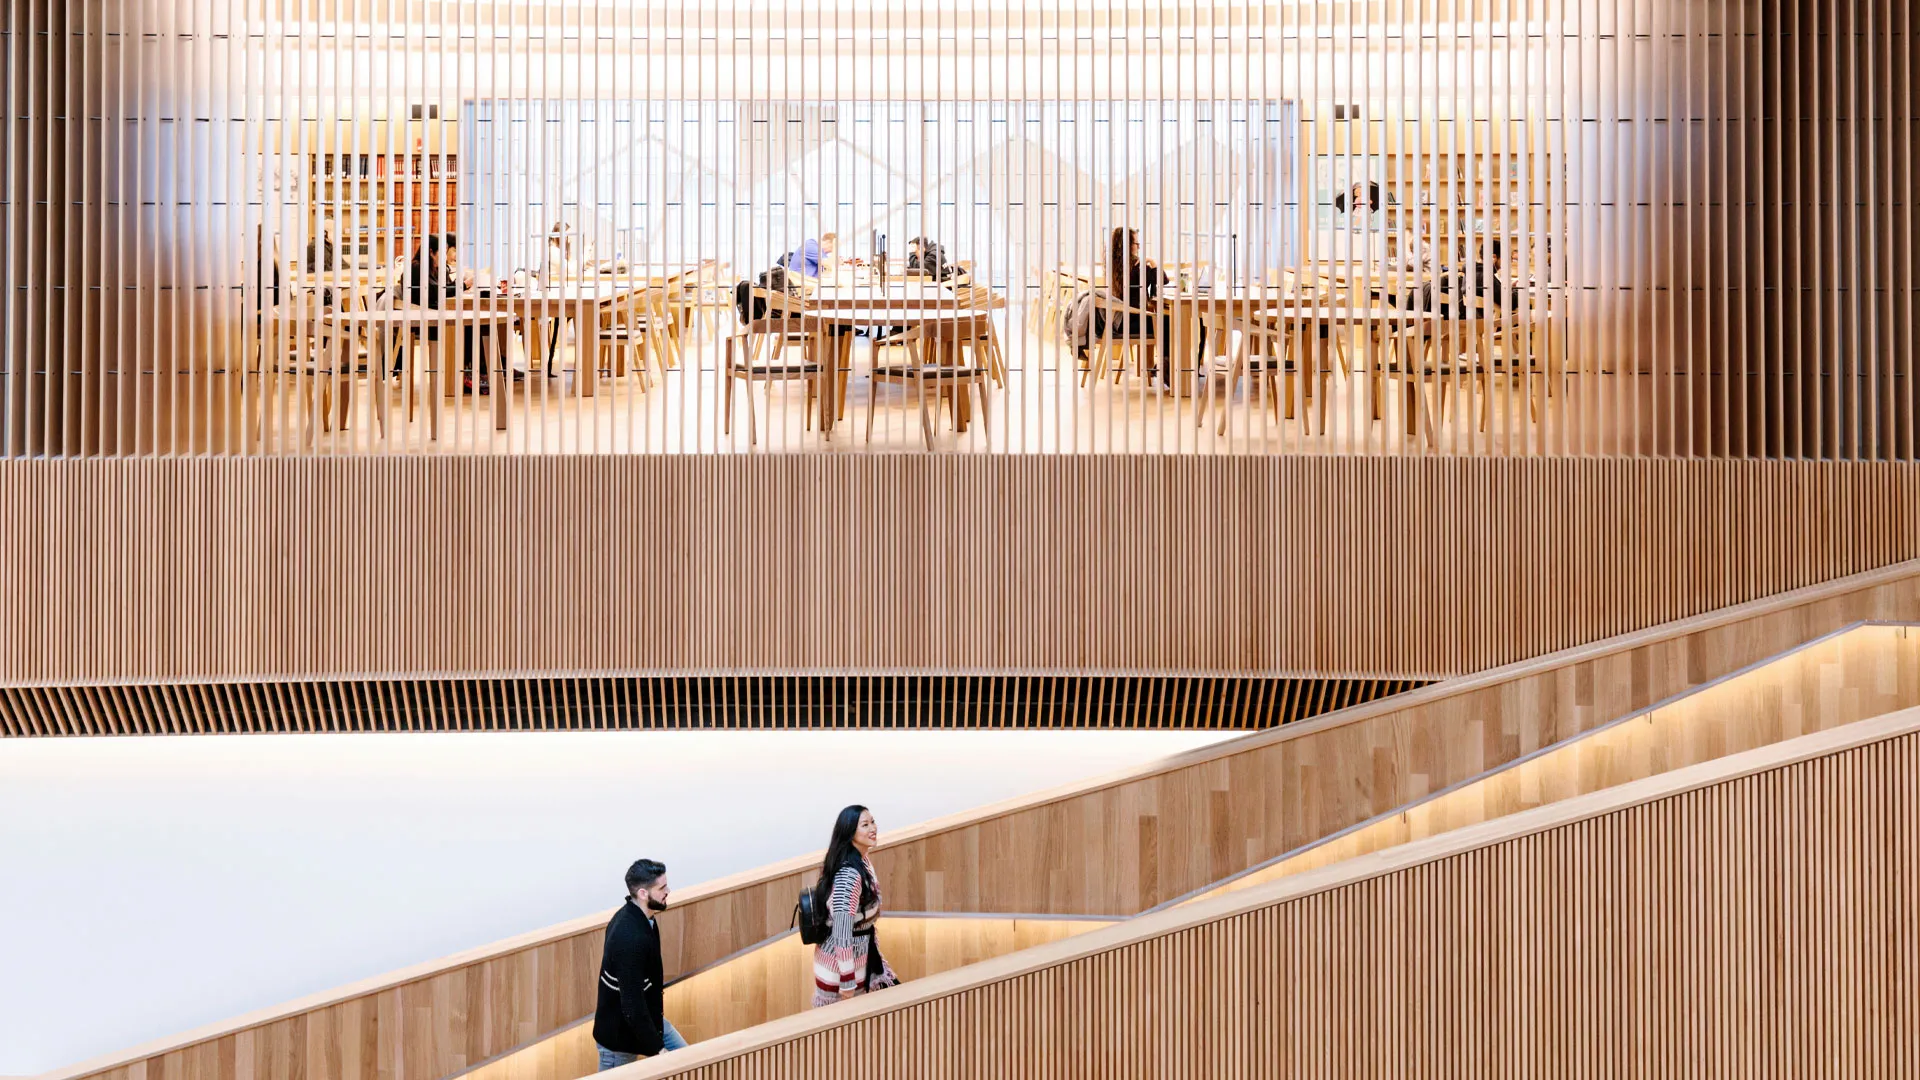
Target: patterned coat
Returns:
[[840, 962]]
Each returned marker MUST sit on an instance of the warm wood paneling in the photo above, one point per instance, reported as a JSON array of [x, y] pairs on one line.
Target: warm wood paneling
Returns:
[[1750, 917], [1855, 675], [1110, 847], [192, 570], [777, 980], [1223, 703]]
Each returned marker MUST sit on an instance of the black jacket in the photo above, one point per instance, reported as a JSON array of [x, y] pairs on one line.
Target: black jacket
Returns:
[[632, 1000]]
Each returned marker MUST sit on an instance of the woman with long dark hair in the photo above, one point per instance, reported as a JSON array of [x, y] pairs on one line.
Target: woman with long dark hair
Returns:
[[1136, 282], [848, 963]]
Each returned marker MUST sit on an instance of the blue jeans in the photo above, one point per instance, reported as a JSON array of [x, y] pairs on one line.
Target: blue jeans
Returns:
[[613, 1059]]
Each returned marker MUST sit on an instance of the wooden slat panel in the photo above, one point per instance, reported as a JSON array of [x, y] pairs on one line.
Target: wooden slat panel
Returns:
[[1753, 916], [1113, 847], [1861, 673], [1370, 567]]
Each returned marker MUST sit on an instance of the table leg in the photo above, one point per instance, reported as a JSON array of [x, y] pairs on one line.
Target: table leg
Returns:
[[440, 386], [586, 354], [502, 371], [1186, 342], [535, 336], [449, 334]]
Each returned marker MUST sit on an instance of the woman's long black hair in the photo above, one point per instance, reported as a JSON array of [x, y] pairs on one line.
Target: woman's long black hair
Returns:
[[1120, 266], [840, 852]]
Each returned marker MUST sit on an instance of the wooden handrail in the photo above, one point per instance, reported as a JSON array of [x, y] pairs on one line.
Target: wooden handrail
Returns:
[[975, 977], [1628, 673]]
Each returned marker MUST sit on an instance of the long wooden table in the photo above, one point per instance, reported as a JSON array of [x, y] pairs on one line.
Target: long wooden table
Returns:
[[383, 327], [894, 295], [540, 314], [830, 338]]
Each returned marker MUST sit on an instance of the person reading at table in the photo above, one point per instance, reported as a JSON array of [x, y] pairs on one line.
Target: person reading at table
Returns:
[[926, 256], [1136, 282], [813, 257], [434, 276], [1447, 296]]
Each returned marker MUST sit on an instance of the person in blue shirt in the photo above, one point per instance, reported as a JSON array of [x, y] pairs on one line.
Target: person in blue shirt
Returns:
[[812, 257]]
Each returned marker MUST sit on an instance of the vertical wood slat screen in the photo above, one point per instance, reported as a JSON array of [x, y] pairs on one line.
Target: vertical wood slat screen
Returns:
[[1704, 210], [1309, 567], [1749, 917], [1257, 798]]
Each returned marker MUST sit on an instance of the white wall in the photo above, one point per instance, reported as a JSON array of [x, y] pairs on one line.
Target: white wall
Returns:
[[152, 885]]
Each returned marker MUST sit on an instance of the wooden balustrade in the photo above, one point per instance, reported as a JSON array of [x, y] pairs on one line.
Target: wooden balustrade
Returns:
[[198, 572], [1752, 916], [1115, 846]]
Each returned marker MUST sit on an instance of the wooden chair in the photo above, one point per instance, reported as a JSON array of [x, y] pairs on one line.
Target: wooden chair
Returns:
[[1429, 355], [1113, 340], [319, 358], [980, 298], [947, 358], [784, 324], [631, 328], [1269, 350]]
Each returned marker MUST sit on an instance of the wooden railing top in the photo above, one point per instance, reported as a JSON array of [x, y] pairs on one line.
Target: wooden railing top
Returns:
[[914, 833], [1120, 935]]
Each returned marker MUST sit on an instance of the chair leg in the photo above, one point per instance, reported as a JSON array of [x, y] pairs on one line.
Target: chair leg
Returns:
[[986, 424], [873, 407], [926, 423]]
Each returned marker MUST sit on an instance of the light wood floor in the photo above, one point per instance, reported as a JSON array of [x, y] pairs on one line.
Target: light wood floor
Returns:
[[1042, 408]]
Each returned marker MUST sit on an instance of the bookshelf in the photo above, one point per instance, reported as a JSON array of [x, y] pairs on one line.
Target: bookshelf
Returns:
[[382, 204], [1470, 179]]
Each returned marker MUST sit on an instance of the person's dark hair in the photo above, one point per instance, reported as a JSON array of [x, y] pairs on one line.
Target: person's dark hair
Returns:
[[840, 852], [1120, 260], [643, 873]]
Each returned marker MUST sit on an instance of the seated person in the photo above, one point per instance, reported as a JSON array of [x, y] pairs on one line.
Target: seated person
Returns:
[[1132, 281], [926, 256], [434, 276], [322, 257], [812, 258], [1482, 281]]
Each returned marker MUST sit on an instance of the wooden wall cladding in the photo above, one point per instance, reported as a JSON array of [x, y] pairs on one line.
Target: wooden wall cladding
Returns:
[[1855, 675], [629, 703], [194, 570], [1752, 917], [1112, 847], [777, 980]]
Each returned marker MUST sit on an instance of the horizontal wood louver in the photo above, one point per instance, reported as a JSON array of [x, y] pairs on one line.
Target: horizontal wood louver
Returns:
[[683, 702]]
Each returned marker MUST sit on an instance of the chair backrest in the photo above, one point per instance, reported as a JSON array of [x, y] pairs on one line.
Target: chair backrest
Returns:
[[778, 312], [1114, 319]]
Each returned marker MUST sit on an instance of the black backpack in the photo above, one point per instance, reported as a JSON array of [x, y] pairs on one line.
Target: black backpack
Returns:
[[810, 917]]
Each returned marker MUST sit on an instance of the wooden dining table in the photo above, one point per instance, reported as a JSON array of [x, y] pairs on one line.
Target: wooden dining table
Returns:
[[830, 336], [539, 314], [444, 327], [894, 295]]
